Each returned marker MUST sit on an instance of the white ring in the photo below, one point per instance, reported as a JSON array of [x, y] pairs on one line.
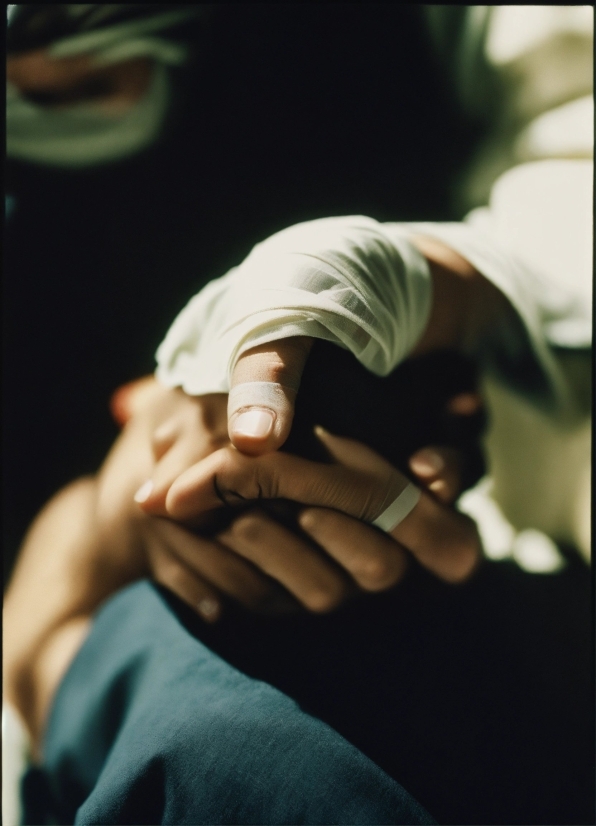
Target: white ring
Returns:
[[398, 509]]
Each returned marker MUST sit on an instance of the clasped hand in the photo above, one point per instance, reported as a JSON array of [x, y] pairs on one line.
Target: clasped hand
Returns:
[[260, 562]]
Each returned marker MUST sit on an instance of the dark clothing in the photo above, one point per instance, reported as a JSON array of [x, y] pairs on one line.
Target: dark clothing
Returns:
[[149, 726], [476, 698]]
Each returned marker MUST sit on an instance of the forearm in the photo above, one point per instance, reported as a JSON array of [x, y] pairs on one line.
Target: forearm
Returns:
[[87, 543], [465, 306], [48, 602]]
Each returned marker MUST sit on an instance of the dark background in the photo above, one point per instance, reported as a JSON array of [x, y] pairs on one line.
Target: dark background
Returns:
[[292, 112]]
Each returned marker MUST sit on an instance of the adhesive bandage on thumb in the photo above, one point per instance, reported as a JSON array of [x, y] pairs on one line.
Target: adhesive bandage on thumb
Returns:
[[259, 408]]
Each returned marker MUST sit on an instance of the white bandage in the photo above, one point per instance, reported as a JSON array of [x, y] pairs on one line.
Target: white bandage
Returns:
[[267, 394], [84, 134], [398, 509], [347, 280]]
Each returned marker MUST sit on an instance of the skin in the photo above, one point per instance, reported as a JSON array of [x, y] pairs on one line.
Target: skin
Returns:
[[62, 82]]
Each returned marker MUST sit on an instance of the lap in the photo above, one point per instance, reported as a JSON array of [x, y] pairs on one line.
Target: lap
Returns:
[[474, 698], [150, 726]]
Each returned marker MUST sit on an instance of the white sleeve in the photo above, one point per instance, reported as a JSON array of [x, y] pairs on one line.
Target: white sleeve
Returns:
[[16, 759], [350, 280], [534, 241]]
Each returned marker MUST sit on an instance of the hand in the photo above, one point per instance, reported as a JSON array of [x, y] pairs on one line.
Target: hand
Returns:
[[265, 380], [168, 432], [91, 539], [344, 558], [360, 483], [174, 430], [258, 537]]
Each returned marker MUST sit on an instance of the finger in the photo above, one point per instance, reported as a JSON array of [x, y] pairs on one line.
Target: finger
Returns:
[[168, 570], [442, 540], [353, 454], [315, 582], [228, 477], [128, 399], [373, 559], [229, 573], [438, 469], [177, 444], [151, 496], [165, 437], [263, 391]]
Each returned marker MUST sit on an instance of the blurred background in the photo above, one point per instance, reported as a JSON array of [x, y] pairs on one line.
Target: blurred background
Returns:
[[150, 146]]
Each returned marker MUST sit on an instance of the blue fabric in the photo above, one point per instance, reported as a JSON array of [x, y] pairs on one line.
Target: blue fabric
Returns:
[[149, 726]]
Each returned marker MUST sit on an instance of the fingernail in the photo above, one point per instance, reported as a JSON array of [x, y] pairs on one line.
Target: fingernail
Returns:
[[255, 423], [209, 608], [427, 462], [144, 492]]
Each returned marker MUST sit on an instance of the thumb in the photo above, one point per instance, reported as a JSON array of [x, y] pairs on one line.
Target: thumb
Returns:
[[263, 392], [354, 454]]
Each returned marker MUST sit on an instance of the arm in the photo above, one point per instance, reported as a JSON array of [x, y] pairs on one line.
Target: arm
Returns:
[[91, 540]]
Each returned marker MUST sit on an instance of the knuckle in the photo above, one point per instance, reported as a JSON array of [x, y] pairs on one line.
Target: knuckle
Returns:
[[248, 528], [167, 432], [376, 573], [279, 371], [310, 520]]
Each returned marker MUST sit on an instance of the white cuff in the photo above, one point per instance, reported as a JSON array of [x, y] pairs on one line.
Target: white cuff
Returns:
[[16, 759]]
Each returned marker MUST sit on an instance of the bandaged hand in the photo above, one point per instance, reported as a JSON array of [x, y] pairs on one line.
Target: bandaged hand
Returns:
[[371, 288], [349, 281]]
